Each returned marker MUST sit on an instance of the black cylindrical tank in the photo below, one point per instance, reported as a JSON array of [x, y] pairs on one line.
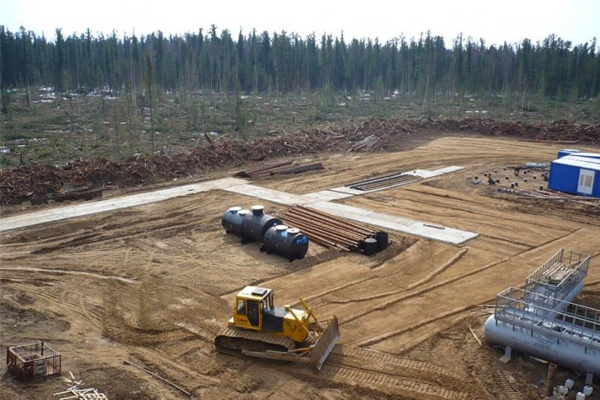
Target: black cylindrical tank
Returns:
[[382, 240], [256, 223], [288, 243], [232, 220], [369, 246]]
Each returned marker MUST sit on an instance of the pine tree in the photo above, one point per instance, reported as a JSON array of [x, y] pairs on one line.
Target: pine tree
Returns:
[[150, 95], [421, 67], [59, 69]]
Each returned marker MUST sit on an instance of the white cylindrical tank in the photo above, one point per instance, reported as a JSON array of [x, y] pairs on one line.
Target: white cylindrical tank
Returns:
[[580, 396], [562, 352], [587, 390]]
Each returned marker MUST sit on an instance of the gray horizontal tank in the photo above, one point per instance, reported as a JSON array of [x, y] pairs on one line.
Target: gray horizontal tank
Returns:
[[581, 354], [558, 331], [288, 243], [232, 220], [256, 223]]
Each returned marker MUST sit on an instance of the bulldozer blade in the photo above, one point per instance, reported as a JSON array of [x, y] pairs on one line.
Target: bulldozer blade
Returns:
[[325, 344]]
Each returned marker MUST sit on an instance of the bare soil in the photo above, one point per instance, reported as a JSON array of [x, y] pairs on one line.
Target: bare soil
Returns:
[[154, 284]]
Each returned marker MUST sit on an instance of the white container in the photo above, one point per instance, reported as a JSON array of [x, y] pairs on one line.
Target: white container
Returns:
[[580, 396], [587, 390], [563, 390], [569, 384]]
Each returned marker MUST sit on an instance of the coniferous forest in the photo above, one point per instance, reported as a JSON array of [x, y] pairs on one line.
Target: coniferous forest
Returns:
[[217, 62]]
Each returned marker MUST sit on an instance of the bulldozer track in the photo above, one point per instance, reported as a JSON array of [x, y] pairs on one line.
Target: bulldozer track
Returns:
[[202, 329], [251, 336], [508, 385], [411, 388], [383, 359]]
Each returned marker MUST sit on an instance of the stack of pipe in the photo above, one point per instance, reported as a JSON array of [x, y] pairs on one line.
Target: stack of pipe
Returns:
[[328, 230], [282, 168]]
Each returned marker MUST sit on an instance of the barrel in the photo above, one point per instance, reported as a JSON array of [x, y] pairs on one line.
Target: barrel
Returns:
[[369, 246], [382, 240]]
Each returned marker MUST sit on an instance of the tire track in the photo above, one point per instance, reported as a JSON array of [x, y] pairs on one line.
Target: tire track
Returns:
[[69, 272]]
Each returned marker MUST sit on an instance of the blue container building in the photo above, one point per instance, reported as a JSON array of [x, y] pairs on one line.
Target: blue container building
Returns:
[[565, 152], [576, 175]]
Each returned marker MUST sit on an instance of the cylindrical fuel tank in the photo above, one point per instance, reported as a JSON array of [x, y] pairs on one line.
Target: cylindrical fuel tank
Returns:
[[232, 220], [369, 246], [256, 223], [288, 243], [382, 240], [561, 352]]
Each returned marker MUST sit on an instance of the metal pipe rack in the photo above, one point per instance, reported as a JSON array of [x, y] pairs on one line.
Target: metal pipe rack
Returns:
[[383, 182]]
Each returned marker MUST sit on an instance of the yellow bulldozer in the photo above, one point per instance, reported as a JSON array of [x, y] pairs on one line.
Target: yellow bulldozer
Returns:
[[259, 329]]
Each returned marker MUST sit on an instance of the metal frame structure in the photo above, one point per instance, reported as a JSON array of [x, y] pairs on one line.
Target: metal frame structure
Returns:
[[33, 361], [384, 182], [577, 324], [570, 266]]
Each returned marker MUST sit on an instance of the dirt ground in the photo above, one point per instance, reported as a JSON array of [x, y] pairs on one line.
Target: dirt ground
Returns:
[[152, 285]]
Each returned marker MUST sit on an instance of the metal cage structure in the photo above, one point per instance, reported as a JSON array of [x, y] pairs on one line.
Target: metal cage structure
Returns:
[[577, 324], [32, 361], [560, 278]]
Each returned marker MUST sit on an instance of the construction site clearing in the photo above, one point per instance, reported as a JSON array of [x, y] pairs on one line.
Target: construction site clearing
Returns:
[[133, 288]]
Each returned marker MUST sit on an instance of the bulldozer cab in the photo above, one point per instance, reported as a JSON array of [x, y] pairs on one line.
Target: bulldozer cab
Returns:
[[249, 306]]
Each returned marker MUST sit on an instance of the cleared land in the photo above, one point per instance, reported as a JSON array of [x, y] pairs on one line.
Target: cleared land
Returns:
[[153, 285]]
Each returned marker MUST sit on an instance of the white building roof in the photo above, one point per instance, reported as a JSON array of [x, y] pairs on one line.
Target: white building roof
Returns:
[[581, 162], [587, 155]]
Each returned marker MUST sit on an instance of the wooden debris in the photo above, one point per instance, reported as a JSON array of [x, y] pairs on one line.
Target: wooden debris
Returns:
[[3, 370], [475, 336], [367, 143], [78, 393], [26, 182]]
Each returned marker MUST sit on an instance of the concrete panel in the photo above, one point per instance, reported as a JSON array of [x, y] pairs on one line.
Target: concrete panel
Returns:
[[80, 210], [425, 174], [326, 195], [400, 224], [274, 196]]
